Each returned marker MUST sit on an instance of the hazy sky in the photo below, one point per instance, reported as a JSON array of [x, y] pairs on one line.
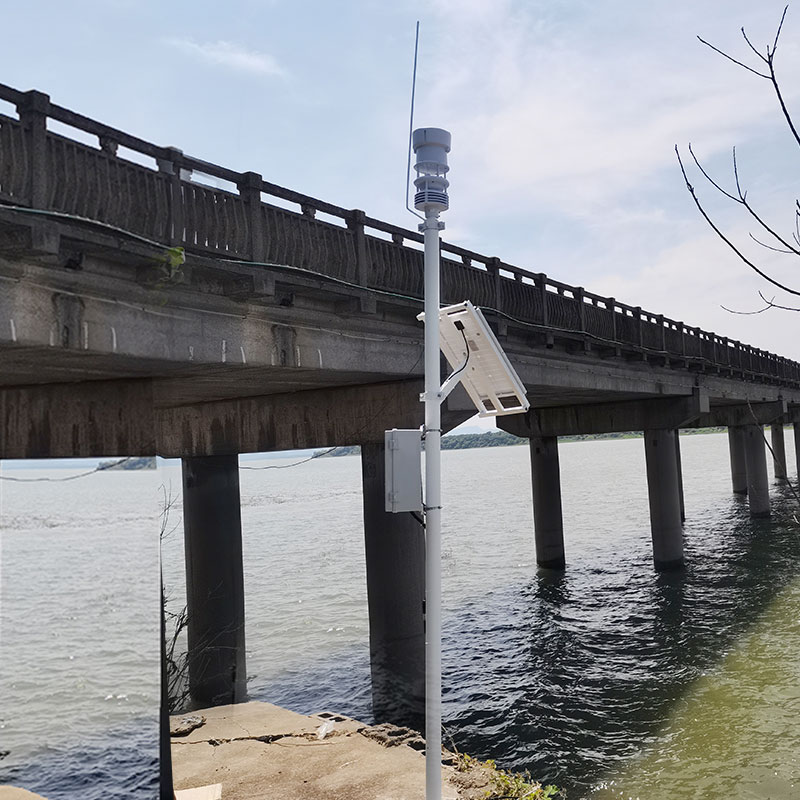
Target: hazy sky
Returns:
[[563, 116]]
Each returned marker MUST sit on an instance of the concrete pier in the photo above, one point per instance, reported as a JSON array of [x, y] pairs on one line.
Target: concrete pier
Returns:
[[680, 474], [664, 495], [778, 444], [214, 579], [395, 555], [738, 460], [757, 481], [547, 520], [796, 429]]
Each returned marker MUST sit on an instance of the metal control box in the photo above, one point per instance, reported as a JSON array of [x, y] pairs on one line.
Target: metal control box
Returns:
[[403, 489]]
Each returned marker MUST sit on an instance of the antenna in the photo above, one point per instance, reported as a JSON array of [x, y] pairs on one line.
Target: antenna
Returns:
[[411, 122]]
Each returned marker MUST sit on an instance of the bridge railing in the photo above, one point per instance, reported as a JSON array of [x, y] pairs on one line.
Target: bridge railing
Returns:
[[91, 170]]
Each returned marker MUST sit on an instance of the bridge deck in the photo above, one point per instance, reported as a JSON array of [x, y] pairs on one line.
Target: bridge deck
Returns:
[[288, 295]]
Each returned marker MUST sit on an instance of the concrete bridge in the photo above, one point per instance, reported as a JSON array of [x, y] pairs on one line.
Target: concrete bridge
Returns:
[[292, 324]]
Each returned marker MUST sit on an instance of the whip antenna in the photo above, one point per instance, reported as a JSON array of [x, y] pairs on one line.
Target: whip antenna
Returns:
[[411, 121]]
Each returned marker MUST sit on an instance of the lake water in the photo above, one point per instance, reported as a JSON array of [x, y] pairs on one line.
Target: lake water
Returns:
[[609, 680]]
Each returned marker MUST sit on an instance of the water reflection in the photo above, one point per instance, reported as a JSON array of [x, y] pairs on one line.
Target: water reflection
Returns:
[[581, 672]]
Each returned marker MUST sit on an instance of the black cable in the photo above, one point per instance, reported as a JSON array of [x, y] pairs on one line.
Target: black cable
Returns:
[[460, 326], [99, 468], [296, 463]]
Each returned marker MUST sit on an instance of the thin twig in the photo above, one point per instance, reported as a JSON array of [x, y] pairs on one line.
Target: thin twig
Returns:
[[725, 238], [731, 58]]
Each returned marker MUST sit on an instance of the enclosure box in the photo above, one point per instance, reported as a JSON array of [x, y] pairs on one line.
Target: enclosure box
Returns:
[[403, 486]]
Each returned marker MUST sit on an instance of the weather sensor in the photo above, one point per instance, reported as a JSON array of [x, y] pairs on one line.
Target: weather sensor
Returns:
[[431, 146]]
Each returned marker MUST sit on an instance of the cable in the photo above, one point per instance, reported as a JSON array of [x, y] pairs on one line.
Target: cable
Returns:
[[460, 326], [296, 463], [98, 468]]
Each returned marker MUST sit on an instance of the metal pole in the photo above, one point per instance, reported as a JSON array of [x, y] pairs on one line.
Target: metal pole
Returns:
[[433, 516]]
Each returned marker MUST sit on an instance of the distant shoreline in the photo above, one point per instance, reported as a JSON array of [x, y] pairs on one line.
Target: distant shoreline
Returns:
[[470, 441]]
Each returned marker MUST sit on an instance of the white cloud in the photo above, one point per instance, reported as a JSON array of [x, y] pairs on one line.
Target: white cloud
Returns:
[[548, 108], [228, 54]]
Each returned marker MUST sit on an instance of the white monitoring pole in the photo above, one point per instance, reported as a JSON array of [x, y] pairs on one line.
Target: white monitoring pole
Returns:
[[431, 146]]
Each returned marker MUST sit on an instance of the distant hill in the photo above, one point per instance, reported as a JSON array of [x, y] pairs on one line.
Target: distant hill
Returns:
[[468, 441]]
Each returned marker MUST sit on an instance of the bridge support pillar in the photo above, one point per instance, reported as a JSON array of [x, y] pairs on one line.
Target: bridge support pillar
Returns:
[[395, 555], [778, 449], [664, 495], [738, 460], [214, 580], [679, 465], [548, 526], [796, 429], [757, 481]]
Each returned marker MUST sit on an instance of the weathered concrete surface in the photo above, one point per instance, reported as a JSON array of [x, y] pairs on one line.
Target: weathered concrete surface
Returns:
[[15, 793], [627, 415], [99, 359], [257, 750], [130, 418]]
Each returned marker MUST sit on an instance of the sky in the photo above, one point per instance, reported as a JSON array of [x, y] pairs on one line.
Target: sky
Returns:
[[564, 116]]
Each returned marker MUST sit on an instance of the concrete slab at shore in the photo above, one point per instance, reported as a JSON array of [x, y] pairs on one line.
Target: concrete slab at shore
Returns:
[[258, 750], [15, 793]]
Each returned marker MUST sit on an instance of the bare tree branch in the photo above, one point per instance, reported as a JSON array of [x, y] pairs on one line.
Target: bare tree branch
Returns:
[[769, 247], [750, 45], [785, 110], [768, 304], [773, 304], [731, 58], [741, 199], [778, 32], [725, 238]]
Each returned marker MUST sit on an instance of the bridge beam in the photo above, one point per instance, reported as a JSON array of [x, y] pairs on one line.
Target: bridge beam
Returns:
[[778, 443], [130, 418], [756, 461], [752, 413], [738, 461], [664, 497], [628, 415], [395, 556], [214, 580]]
